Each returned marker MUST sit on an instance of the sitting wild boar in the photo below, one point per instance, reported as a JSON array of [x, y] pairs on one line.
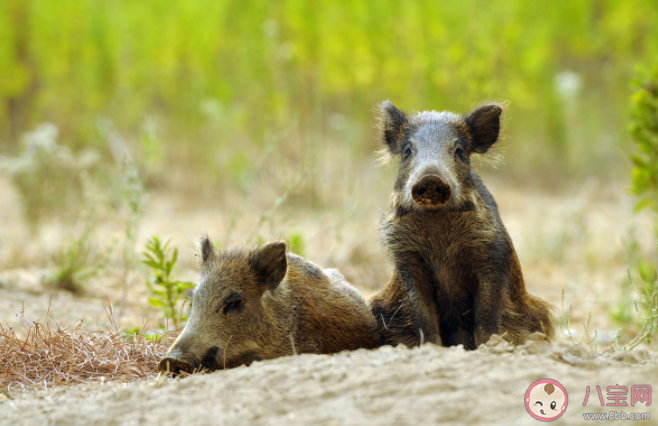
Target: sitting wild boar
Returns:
[[255, 304], [456, 279]]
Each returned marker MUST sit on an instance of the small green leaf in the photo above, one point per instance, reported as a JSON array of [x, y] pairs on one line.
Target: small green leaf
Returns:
[[152, 264], [643, 204], [186, 284], [164, 290], [156, 302]]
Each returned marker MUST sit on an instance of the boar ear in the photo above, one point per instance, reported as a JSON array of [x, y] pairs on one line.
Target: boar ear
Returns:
[[484, 125], [206, 249], [393, 123], [270, 263]]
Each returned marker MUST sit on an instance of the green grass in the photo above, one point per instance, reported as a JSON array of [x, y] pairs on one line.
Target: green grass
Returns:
[[210, 81], [647, 314], [78, 260], [164, 290], [644, 185], [49, 178], [644, 129]]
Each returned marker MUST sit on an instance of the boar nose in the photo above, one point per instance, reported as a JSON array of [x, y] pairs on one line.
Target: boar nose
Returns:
[[175, 365], [430, 191]]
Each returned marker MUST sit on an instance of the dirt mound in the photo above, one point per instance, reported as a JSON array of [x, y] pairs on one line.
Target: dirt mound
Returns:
[[388, 386]]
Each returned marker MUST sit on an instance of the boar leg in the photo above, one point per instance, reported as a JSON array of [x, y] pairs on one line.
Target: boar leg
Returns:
[[488, 309], [421, 295]]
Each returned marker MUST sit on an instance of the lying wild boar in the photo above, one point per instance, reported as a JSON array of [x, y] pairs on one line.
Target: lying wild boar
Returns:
[[456, 279], [255, 304]]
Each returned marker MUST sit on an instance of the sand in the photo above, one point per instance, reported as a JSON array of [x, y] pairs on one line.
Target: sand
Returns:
[[386, 386]]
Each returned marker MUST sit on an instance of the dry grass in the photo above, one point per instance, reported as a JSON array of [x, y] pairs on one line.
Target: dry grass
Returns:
[[53, 355]]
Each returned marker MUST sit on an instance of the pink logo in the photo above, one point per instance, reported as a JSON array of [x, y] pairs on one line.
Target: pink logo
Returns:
[[641, 393], [546, 400], [617, 395]]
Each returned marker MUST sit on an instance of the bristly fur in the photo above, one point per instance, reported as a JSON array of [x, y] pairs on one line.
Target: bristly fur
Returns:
[[456, 279], [383, 155], [256, 298], [205, 250], [494, 157]]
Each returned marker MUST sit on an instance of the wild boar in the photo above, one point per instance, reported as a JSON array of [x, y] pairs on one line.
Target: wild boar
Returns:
[[457, 278], [263, 303]]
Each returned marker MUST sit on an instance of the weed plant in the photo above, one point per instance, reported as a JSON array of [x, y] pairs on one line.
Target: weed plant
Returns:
[[133, 197], [164, 290], [644, 185], [48, 176], [78, 260], [648, 295], [644, 129]]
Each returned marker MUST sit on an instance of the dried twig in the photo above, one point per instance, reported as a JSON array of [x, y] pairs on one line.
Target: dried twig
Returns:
[[292, 345], [52, 355], [383, 321], [393, 316], [226, 347]]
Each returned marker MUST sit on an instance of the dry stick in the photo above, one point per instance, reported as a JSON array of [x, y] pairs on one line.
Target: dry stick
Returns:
[[110, 313], [161, 376], [383, 321], [68, 373], [294, 352], [393, 316], [292, 344], [24, 320], [180, 317], [29, 330], [48, 311], [226, 347]]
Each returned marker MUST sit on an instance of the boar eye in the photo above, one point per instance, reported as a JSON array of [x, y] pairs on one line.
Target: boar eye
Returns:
[[553, 405], [459, 151], [233, 307], [407, 152]]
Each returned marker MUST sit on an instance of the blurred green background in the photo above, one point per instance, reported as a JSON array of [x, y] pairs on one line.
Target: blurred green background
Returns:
[[204, 86]]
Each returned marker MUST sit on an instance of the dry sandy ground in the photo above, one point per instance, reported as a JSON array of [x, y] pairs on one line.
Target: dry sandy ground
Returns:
[[576, 243], [388, 386], [573, 243]]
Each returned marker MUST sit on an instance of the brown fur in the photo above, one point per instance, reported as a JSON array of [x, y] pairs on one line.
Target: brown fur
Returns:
[[282, 295], [457, 279]]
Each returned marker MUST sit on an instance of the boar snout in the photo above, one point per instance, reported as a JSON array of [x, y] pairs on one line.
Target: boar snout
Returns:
[[430, 191], [179, 359], [176, 365]]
